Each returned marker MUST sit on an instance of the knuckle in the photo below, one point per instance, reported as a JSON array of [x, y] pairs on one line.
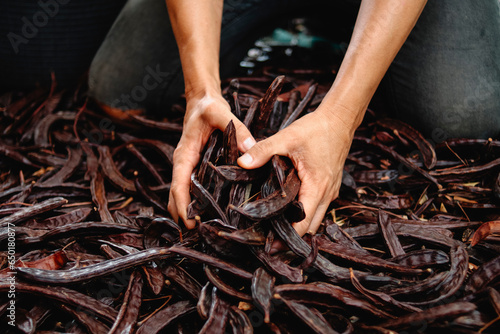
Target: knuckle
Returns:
[[177, 153], [263, 146], [175, 191]]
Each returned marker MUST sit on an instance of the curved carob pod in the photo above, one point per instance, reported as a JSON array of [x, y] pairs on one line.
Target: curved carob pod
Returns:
[[375, 176], [239, 321], [218, 315], [67, 296], [164, 126], [361, 258], [85, 228], [129, 310], [149, 166], [382, 299], [278, 267], [165, 317], [422, 258], [95, 270], [207, 201], [454, 279], [398, 157], [325, 294], [31, 211], [274, 204], [333, 272], [262, 291], [266, 105], [238, 174], [184, 280], [112, 173], [300, 108], [484, 275], [210, 232], [68, 169], [11, 152], [314, 320], [229, 145], [165, 150], [224, 287], [424, 146], [205, 300], [41, 134], [249, 236], [448, 311], [88, 321]]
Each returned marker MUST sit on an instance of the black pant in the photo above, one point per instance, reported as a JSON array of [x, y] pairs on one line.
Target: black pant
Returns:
[[38, 37], [445, 80]]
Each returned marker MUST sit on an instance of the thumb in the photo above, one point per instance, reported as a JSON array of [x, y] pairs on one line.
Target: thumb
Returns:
[[244, 138], [259, 154]]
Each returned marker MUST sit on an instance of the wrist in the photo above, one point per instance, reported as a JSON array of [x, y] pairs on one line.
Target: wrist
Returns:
[[200, 88], [343, 117]]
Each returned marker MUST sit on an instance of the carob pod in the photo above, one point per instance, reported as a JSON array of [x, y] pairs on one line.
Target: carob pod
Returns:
[[91, 324], [484, 275], [31, 211], [95, 270], [225, 287], [165, 317], [274, 204], [446, 311], [68, 169], [129, 310], [363, 258], [262, 291], [266, 105], [333, 272], [390, 237], [67, 296], [313, 319], [424, 146]]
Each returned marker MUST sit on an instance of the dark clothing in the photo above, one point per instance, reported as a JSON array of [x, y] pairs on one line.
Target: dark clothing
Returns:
[[38, 37], [445, 81]]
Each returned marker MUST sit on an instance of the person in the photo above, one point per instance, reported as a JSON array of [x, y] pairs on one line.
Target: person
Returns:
[[439, 62]]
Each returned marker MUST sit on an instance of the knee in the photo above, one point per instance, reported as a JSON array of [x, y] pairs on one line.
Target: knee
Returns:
[[471, 114]]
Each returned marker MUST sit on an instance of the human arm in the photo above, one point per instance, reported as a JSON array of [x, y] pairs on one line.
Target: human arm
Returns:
[[318, 143], [196, 25]]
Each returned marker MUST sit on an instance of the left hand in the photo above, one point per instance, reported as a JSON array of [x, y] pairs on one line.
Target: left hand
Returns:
[[317, 144]]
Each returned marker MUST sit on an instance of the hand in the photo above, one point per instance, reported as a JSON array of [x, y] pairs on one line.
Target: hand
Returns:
[[317, 144], [203, 115]]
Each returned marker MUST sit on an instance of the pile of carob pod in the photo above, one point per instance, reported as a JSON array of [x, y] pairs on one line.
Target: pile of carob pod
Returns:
[[87, 244]]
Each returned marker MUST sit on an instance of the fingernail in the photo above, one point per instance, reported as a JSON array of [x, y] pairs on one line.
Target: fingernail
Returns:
[[273, 251], [246, 159], [248, 143]]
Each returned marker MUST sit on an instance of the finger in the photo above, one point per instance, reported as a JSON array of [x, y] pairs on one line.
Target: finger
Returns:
[[172, 208], [318, 217], [179, 190], [243, 136], [277, 246], [311, 199], [261, 152]]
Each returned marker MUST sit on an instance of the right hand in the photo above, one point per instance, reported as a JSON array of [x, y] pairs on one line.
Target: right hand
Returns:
[[204, 113]]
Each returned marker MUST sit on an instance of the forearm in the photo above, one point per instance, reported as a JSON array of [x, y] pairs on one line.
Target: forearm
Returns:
[[381, 29], [196, 25]]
